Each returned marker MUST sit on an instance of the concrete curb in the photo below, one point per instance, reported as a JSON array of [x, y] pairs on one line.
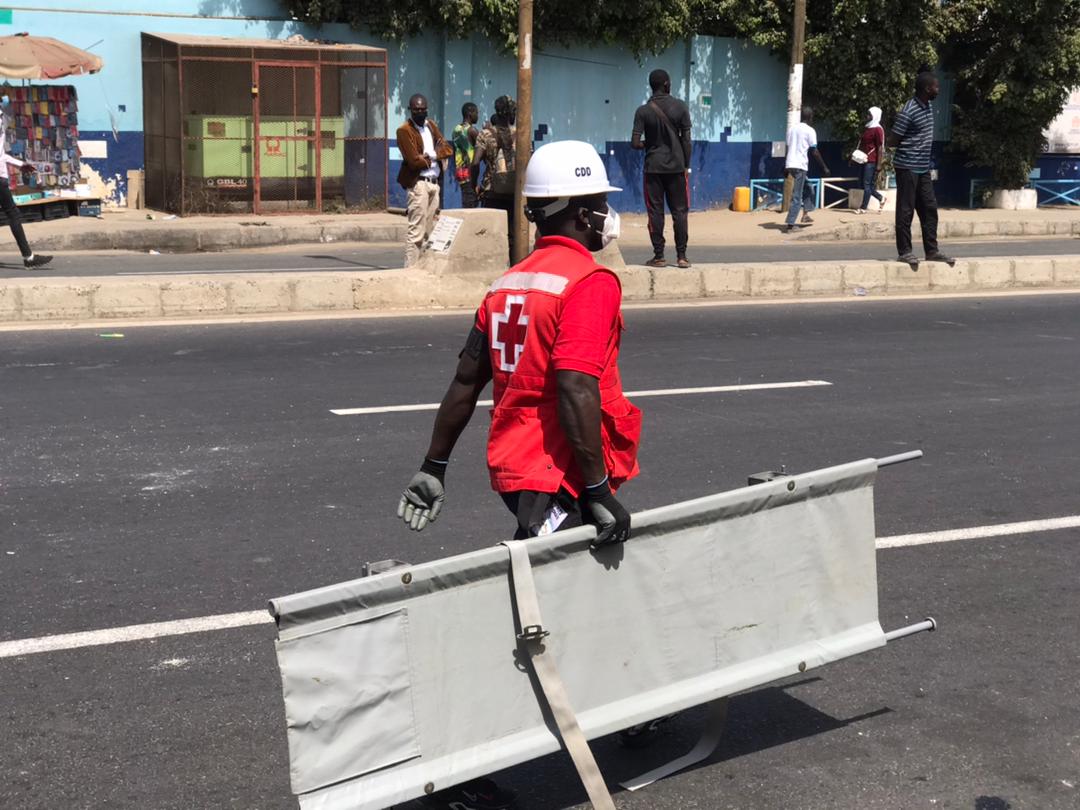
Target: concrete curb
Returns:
[[871, 227], [187, 239], [37, 299]]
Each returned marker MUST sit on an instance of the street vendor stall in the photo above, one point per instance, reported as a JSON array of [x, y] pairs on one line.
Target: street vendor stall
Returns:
[[41, 124]]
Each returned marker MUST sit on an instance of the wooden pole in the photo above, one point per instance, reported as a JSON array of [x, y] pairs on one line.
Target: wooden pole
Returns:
[[523, 145], [795, 77]]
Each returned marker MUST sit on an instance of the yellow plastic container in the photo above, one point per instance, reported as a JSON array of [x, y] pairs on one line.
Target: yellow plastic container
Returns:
[[741, 201]]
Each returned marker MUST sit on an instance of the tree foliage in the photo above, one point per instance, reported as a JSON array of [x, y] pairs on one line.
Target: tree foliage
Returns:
[[859, 53], [643, 26], [1014, 63]]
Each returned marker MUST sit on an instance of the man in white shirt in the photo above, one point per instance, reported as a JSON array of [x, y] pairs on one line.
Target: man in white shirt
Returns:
[[7, 202], [801, 142]]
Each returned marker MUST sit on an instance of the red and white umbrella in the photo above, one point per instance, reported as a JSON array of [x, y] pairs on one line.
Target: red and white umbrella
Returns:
[[25, 57]]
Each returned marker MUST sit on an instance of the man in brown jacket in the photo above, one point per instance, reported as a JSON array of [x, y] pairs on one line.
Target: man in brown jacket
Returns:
[[422, 148]]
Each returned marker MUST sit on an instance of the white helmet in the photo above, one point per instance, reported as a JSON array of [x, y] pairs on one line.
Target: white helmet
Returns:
[[566, 169]]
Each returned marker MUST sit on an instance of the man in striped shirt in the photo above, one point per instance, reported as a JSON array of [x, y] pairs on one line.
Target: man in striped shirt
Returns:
[[913, 136]]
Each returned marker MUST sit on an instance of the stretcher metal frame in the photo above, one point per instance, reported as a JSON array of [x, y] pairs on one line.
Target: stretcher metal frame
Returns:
[[375, 700]]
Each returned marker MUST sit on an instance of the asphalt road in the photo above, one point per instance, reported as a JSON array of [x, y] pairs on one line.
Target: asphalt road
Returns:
[[183, 471], [381, 256]]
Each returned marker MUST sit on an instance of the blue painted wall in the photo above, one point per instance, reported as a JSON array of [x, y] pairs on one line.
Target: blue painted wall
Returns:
[[589, 94], [736, 92]]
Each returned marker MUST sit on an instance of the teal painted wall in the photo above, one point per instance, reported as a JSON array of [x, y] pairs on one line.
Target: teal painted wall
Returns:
[[584, 93]]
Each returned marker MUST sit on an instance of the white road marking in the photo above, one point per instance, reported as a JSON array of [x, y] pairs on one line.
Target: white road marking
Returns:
[[225, 621], [656, 392], [979, 532], [133, 632]]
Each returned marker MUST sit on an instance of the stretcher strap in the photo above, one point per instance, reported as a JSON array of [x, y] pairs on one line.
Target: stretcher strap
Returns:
[[543, 662]]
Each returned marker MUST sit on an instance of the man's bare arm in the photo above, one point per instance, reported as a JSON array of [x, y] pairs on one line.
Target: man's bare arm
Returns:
[[579, 415], [472, 375]]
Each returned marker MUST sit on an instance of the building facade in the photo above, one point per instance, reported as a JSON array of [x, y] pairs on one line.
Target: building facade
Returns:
[[736, 92]]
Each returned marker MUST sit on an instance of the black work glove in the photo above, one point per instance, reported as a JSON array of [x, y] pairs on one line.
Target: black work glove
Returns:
[[423, 499], [610, 517]]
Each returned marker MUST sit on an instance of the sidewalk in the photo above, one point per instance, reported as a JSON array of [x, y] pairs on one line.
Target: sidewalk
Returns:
[[98, 299], [721, 227], [131, 230]]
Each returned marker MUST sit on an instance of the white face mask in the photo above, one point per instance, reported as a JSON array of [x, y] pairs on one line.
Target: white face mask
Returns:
[[611, 227]]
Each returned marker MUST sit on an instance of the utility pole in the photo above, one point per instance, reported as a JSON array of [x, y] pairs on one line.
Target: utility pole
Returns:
[[794, 85], [523, 145]]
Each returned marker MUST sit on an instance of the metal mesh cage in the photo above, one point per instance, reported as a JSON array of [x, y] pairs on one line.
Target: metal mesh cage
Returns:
[[249, 128]]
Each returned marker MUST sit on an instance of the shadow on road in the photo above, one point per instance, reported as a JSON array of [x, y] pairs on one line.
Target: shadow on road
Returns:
[[756, 721]]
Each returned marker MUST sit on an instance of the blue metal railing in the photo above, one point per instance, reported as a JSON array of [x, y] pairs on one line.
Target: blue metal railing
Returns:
[[1057, 192]]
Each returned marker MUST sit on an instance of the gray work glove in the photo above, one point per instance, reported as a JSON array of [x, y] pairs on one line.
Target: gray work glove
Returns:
[[423, 499], [611, 519]]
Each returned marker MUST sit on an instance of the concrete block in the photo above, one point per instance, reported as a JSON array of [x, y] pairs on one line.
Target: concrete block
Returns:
[[127, 299], [984, 228], [721, 281], [1033, 272], [1067, 271], [610, 257], [820, 279], [379, 233], [218, 239], [262, 294], [1035, 227], [871, 276], [252, 236], [404, 289], [315, 292], [899, 277], [58, 300], [178, 239], [190, 296], [768, 279], [636, 283], [72, 240], [671, 282], [1010, 227], [10, 302], [943, 277], [991, 273], [957, 229], [1076, 227], [457, 293], [480, 247], [1060, 227], [880, 228]]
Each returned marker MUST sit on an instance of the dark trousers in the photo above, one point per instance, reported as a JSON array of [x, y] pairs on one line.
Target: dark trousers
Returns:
[[675, 190], [915, 194], [468, 195], [531, 510], [869, 185], [7, 205]]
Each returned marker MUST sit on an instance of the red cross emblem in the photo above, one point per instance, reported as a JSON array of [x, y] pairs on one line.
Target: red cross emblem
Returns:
[[508, 332]]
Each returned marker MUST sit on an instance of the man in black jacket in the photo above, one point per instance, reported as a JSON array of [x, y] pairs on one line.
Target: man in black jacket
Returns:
[[664, 123]]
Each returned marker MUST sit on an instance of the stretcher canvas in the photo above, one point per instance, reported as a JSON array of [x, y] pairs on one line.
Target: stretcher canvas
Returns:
[[415, 679]]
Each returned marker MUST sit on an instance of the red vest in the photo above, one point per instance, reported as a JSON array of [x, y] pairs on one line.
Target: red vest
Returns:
[[527, 448]]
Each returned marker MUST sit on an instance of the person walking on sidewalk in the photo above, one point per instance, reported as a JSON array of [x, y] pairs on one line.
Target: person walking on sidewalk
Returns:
[[563, 436], [422, 148], [801, 143], [464, 140], [664, 123], [7, 202], [495, 149], [872, 145], [913, 137]]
